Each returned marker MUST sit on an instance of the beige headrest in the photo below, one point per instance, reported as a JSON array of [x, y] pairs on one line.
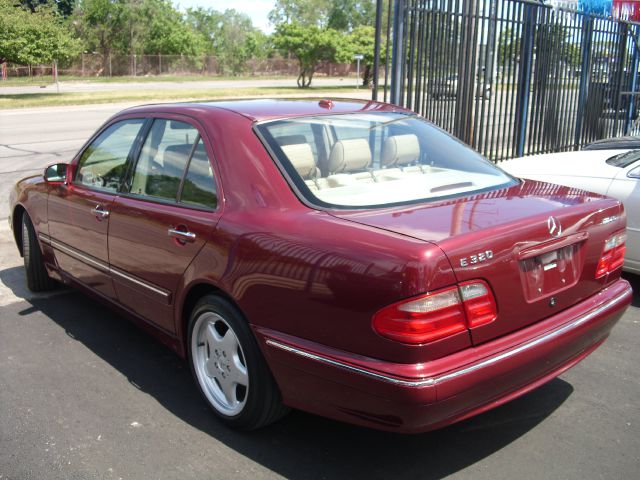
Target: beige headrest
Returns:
[[350, 155], [301, 157], [400, 150]]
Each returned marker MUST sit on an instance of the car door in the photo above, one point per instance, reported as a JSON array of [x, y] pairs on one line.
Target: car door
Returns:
[[626, 187], [165, 218], [78, 212]]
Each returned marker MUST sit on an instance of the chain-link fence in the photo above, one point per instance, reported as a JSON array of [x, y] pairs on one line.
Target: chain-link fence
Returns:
[[89, 65]]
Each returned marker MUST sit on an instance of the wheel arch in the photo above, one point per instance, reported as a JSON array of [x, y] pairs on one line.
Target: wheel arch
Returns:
[[194, 293], [16, 224]]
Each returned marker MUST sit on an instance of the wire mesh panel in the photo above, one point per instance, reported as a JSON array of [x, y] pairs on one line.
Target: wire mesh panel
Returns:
[[509, 77]]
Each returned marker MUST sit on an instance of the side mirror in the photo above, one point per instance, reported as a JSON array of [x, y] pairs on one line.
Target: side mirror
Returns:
[[56, 173]]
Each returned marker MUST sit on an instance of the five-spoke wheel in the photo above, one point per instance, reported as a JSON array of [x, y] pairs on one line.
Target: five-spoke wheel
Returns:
[[220, 364], [228, 366]]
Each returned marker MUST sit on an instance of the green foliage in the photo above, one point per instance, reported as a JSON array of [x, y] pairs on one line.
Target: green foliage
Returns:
[[362, 41], [310, 45], [347, 15], [341, 15], [135, 26], [165, 31], [65, 7], [37, 37], [311, 13], [101, 24], [230, 36]]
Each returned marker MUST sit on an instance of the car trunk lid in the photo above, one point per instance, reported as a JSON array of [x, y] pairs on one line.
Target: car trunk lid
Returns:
[[537, 245]]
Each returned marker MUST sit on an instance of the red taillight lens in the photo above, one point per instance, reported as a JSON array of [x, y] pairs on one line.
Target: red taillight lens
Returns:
[[437, 315], [612, 254], [479, 304]]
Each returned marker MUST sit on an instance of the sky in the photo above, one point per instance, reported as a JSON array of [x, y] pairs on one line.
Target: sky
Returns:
[[258, 10]]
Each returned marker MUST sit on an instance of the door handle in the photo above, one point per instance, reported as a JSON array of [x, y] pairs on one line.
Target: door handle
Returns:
[[181, 235], [100, 212]]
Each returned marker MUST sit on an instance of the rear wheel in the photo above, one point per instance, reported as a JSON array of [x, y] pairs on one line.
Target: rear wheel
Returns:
[[38, 279], [229, 368]]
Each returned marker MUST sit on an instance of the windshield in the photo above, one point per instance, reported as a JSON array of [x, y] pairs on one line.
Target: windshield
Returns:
[[625, 159], [376, 159]]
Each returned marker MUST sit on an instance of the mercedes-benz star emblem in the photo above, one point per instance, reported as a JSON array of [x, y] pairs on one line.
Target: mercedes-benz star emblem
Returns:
[[555, 229]]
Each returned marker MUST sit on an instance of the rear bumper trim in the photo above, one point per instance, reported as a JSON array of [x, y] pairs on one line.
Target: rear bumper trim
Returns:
[[351, 368], [424, 382]]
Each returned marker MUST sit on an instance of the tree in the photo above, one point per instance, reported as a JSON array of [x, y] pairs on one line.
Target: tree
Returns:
[[164, 30], [230, 36], [362, 41], [347, 15], [303, 12], [65, 7], [102, 26], [33, 37], [341, 15], [310, 45]]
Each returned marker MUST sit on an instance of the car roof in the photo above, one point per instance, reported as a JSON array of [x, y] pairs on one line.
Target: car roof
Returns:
[[622, 143], [266, 109]]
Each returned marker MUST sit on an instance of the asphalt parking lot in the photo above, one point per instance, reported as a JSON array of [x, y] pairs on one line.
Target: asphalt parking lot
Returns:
[[84, 394]]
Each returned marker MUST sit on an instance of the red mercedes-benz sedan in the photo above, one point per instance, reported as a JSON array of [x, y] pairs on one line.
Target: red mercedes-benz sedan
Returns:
[[346, 258]]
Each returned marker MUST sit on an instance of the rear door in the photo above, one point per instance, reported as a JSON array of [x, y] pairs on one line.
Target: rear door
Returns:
[[79, 212], [164, 219]]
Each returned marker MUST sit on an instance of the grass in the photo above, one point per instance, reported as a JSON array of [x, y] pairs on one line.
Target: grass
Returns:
[[29, 100], [48, 80]]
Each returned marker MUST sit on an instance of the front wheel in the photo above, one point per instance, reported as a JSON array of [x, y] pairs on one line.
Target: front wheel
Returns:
[[38, 279], [229, 368]]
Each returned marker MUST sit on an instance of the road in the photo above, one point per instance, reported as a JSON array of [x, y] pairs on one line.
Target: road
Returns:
[[84, 394]]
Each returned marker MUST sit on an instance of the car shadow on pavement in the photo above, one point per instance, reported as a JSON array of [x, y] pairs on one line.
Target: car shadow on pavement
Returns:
[[634, 280], [301, 445]]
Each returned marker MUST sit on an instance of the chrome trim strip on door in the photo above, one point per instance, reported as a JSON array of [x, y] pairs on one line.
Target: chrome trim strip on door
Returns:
[[463, 371], [139, 282], [44, 238], [103, 267]]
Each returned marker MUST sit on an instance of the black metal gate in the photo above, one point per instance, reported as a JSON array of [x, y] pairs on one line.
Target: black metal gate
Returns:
[[509, 77]]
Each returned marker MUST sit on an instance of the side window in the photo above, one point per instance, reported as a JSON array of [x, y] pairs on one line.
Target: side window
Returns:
[[163, 159], [199, 188], [102, 164]]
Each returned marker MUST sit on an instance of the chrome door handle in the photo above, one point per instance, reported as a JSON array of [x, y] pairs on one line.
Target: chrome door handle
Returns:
[[183, 236], [99, 211]]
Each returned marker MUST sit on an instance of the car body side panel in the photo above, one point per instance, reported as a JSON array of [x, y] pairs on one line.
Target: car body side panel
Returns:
[[146, 262], [79, 236], [321, 278], [627, 190]]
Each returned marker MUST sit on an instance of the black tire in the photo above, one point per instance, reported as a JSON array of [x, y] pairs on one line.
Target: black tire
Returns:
[[220, 342], [38, 279]]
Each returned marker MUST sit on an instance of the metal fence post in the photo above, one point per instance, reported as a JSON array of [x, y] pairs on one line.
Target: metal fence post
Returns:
[[585, 72], [467, 72], [634, 80], [397, 54], [376, 51], [623, 39], [524, 76]]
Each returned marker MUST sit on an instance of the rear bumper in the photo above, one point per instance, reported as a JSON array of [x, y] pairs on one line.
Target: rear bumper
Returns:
[[419, 397]]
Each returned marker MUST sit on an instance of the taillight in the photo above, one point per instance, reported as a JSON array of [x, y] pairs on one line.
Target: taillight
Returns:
[[612, 256], [438, 314], [479, 304]]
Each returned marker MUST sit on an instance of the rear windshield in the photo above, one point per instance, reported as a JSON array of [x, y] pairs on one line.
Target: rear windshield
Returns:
[[625, 159], [376, 160]]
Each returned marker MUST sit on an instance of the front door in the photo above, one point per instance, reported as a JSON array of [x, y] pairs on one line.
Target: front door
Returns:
[[160, 225], [79, 211]]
